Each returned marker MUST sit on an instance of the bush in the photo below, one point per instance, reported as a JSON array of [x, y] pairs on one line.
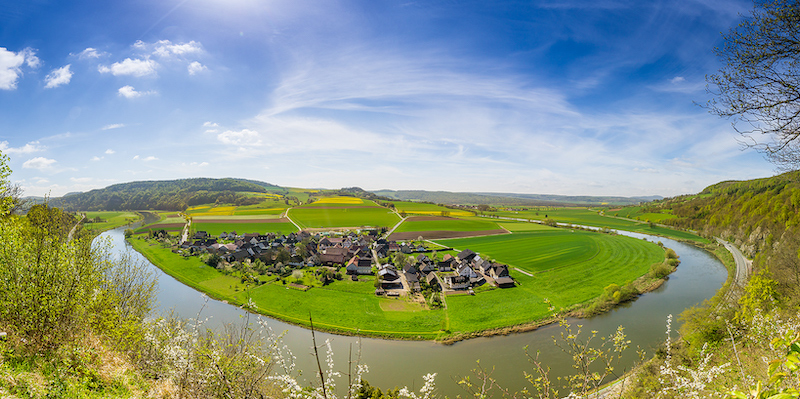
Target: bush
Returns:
[[54, 290]]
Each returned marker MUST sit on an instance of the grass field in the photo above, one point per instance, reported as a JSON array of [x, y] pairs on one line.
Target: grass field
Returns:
[[110, 221], [333, 215], [446, 224], [588, 217], [568, 268]]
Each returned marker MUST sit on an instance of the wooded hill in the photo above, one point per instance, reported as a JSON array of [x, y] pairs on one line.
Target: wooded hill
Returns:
[[761, 216], [173, 195]]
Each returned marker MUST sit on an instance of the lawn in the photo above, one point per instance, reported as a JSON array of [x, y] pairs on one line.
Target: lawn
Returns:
[[342, 215]]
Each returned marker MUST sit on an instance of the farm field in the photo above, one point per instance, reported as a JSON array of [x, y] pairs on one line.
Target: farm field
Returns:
[[110, 219], [215, 227], [339, 213], [420, 208], [588, 217], [431, 227]]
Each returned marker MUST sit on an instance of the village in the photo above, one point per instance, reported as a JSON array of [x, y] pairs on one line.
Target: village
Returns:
[[398, 268]]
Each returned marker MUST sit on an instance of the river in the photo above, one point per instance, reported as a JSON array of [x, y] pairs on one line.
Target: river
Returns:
[[403, 363]]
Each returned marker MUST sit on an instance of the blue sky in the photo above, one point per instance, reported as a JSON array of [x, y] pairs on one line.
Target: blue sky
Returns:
[[549, 97]]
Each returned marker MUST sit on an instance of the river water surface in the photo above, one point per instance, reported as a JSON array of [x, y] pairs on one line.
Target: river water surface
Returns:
[[403, 363]]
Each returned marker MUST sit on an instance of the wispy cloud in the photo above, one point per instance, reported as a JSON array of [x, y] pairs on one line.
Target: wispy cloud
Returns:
[[39, 163], [90, 53], [115, 125], [28, 148], [58, 77]]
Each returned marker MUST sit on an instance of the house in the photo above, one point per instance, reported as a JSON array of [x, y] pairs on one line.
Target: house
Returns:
[[388, 273], [466, 255], [444, 266], [457, 282], [501, 277], [359, 265], [200, 235], [432, 280], [413, 281], [467, 271], [333, 256]]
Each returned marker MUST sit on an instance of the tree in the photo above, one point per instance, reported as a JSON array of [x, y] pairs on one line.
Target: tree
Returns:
[[759, 85]]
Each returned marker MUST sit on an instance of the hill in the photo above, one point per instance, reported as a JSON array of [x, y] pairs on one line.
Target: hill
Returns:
[[171, 195], [507, 199]]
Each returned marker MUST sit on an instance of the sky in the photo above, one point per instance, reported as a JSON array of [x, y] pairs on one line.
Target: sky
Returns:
[[596, 97]]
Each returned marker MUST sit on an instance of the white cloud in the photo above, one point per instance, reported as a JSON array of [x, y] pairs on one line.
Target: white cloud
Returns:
[[242, 137], [196, 164], [39, 163], [196, 67], [89, 53], [210, 124], [58, 77], [130, 67], [96, 158], [150, 158], [165, 48], [135, 157], [10, 63], [130, 92], [109, 151], [677, 79], [28, 148], [116, 125]]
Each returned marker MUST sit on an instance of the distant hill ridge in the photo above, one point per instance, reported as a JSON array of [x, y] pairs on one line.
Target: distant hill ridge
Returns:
[[163, 194], [510, 199]]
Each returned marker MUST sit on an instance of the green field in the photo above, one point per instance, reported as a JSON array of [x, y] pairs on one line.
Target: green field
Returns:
[[567, 267], [334, 215], [216, 229], [110, 219], [448, 224], [588, 217]]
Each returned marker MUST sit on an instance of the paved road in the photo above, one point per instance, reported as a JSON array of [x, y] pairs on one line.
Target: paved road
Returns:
[[744, 267]]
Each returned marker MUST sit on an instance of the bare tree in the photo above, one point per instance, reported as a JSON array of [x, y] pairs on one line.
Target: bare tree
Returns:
[[759, 85]]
